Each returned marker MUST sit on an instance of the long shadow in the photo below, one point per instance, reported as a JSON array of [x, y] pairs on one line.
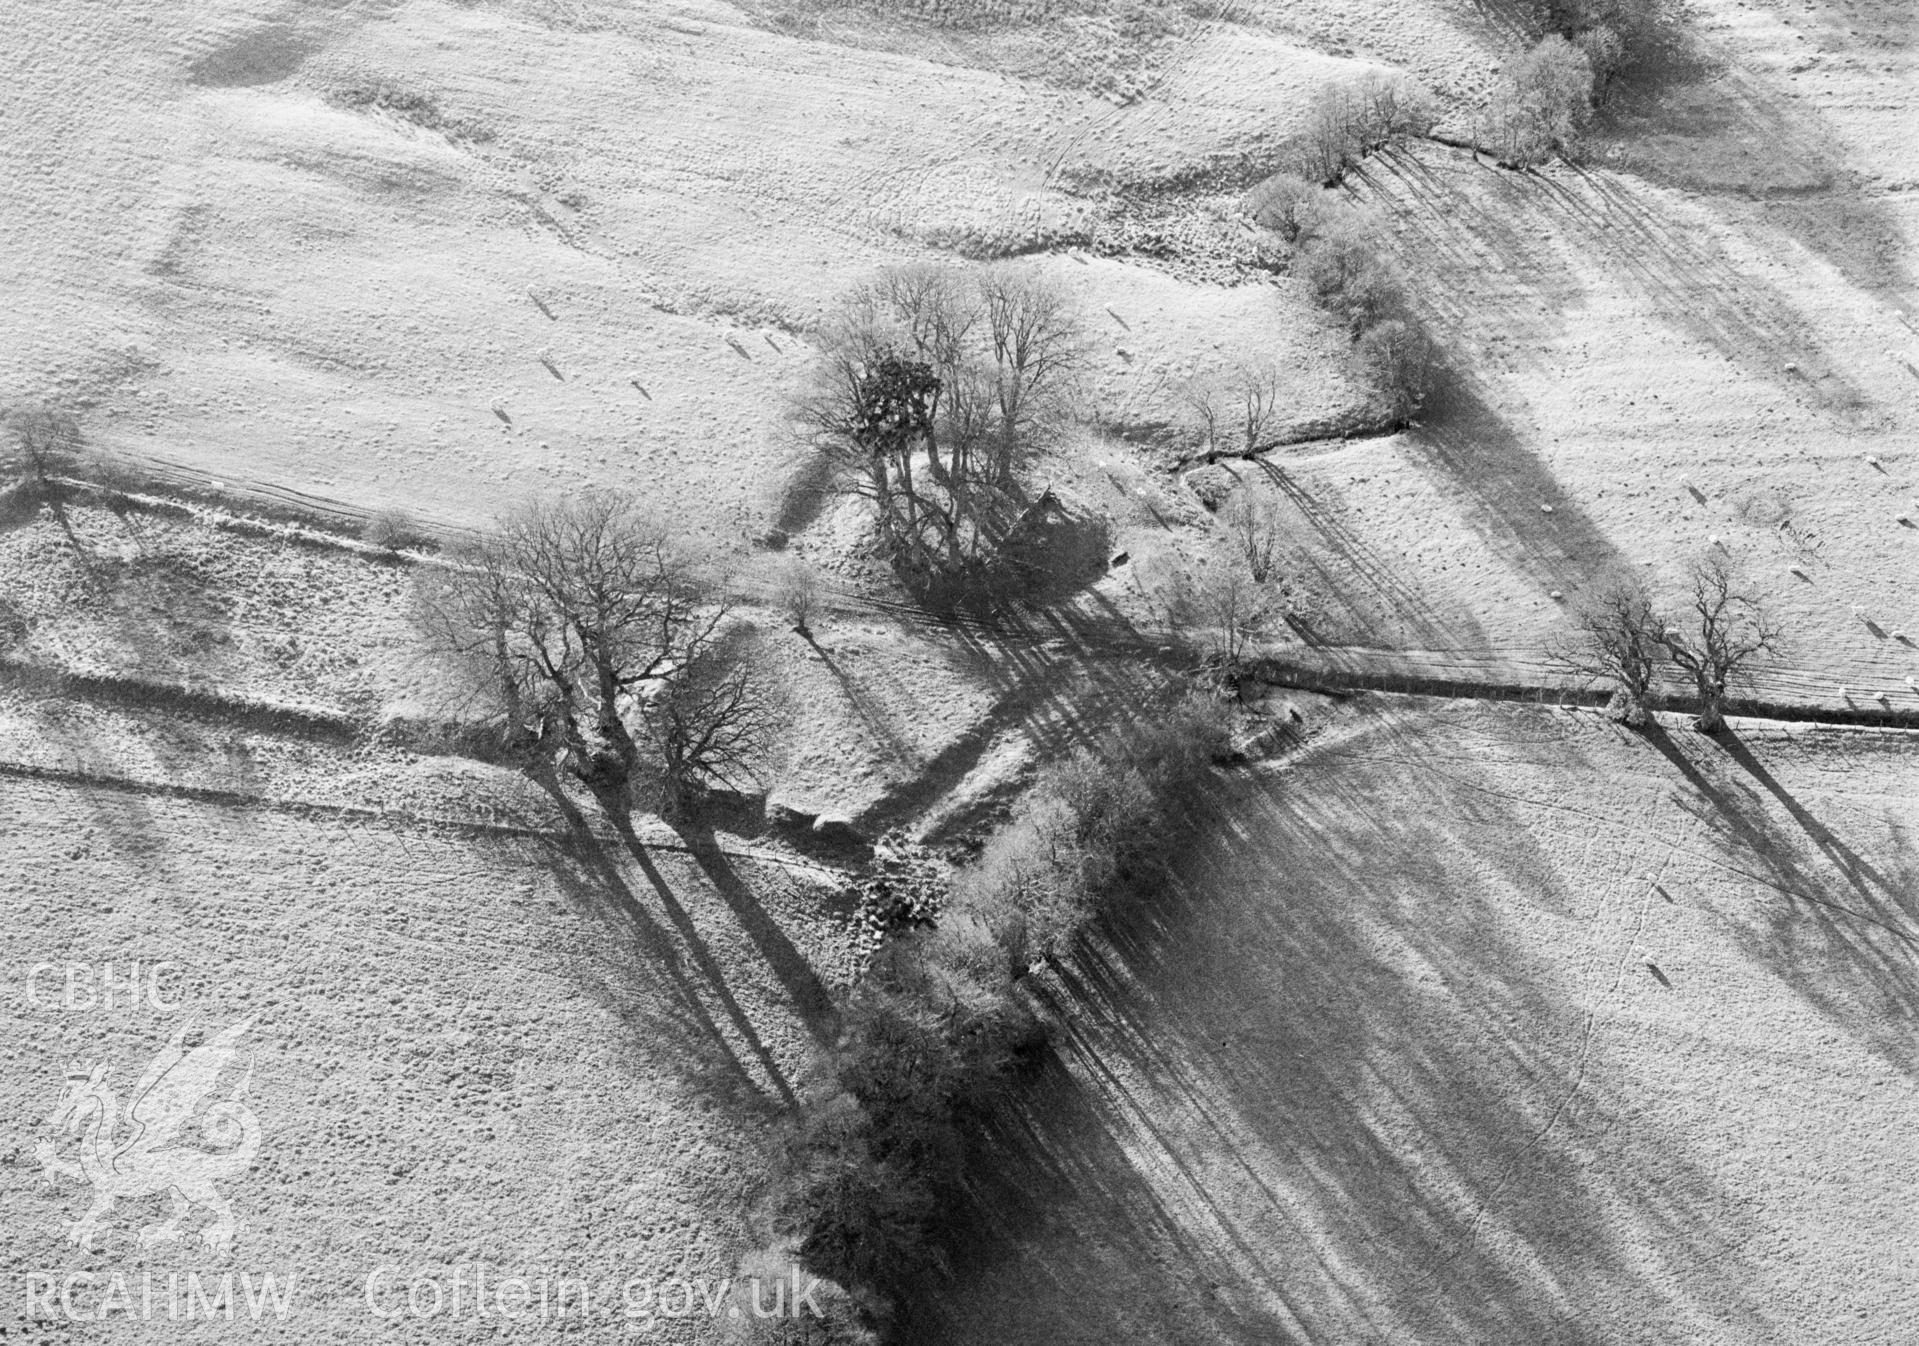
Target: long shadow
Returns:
[[870, 712], [1697, 123], [1472, 236], [709, 968], [1747, 828], [684, 1029], [805, 492], [1512, 499], [1405, 606], [657, 941], [1864, 879], [1051, 1173], [1059, 673], [1320, 1086], [810, 997], [1844, 930], [1509, 497]]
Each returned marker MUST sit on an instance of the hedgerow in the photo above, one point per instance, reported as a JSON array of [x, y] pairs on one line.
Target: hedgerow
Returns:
[[933, 1032]]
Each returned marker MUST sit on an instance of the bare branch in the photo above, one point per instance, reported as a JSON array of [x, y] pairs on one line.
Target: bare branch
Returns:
[[574, 618], [1717, 636], [1614, 636]]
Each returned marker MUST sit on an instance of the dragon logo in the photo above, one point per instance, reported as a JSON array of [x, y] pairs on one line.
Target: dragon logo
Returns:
[[148, 1157]]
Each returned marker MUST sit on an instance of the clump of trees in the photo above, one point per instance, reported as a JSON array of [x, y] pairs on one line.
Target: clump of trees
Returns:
[[1349, 268], [597, 640], [1094, 825], [933, 1033], [1341, 255], [1350, 121], [396, 530], [1546, 96], [1614, 35], [935, 390], [1401, 363], [1543, 100], [1284, 203], [1714, 636]]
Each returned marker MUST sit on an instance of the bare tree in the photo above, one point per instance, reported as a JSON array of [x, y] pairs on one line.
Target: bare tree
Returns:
[[1256, 532], [797, 590], [1237, 416], [1718, 635], [471, 618], [873, 411], [1616, 635], [582, 618], [927, 305], [1227, 616], [49, 448], [1036, 347], [1329, 145], [710, 720], [47, 441], [1209, 417], [1256, 389], [1394, 108]]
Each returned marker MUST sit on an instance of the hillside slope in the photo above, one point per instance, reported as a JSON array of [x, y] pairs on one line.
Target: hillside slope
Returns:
[[1489, 1025]]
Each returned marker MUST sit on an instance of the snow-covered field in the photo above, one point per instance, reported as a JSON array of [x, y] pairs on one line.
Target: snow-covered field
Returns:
[[1397, 1067]]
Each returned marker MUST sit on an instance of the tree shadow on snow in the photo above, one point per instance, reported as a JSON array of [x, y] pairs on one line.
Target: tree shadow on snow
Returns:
[[1497, 254], [720, 1049], [1319, 1087], [1845, 934]]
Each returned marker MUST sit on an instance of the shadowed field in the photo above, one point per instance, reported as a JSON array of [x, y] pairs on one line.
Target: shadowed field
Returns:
[[1481, 1025], [541, 1056]]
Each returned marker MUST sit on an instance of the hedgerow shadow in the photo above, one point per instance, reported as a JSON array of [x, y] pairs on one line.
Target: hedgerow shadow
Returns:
[[1318, 1088]]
